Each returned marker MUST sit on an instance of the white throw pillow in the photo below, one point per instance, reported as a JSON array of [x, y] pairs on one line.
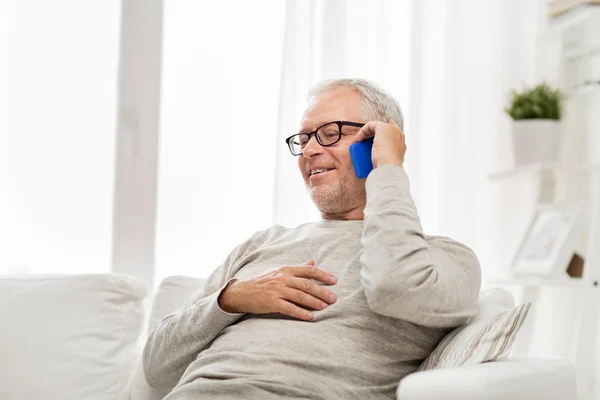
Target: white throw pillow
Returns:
[[68, 337], [172, 293], [478, 342]]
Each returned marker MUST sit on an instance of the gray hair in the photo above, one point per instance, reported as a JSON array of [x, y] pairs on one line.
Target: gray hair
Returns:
[[378, 105]]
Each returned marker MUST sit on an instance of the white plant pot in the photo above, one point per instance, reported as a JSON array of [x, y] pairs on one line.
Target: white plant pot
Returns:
[[535, 141]]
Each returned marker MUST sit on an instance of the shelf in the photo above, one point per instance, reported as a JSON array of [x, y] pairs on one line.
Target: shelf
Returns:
[[543, 167], [575, 16], [571, 55], [582, 89]]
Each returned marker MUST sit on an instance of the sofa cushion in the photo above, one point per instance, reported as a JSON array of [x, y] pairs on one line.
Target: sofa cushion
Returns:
[[478, 342], [172, 293], [68, 337], [529, 378]]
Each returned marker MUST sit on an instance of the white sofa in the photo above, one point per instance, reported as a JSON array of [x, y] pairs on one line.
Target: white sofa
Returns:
[[80, 337]]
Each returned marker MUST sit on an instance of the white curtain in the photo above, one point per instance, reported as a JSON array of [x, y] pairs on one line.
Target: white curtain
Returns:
[[58, 81], [450, 63], [489, 48], [221, 77]]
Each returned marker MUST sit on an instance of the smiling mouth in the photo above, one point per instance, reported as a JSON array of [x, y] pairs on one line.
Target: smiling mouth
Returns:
[[320, 171]]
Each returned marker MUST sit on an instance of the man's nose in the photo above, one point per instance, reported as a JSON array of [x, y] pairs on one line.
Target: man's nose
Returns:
[[312, 147]]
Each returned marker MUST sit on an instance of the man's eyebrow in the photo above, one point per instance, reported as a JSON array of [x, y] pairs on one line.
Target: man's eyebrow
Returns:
[[303, 129], [314, 126]]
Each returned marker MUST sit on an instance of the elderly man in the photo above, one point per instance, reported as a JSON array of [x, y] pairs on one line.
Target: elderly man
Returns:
[[341, 308]]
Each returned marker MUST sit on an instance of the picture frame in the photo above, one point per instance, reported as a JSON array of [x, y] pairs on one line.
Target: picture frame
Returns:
[[549, 241]]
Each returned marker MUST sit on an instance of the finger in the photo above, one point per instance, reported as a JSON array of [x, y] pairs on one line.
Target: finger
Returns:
[[304, 299], [366, 132], [312, 288], [394, 123], [312, 272], [287, 308], [309, 263]]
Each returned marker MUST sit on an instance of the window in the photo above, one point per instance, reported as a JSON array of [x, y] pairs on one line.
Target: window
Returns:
[[219, 111], [58, 82]]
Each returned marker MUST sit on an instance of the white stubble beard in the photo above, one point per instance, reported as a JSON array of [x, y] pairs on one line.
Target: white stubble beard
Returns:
[[336, 197]]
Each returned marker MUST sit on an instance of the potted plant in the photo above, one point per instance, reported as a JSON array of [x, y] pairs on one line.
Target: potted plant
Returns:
[[536, 114]]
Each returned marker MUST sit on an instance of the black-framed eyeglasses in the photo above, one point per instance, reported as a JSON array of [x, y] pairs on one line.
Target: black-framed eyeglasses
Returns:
[[327, 134]]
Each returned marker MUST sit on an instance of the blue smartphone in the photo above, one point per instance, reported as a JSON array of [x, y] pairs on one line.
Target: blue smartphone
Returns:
[[361, 157]]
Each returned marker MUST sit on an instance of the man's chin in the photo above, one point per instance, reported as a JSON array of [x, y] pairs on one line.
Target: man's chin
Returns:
[[321, 190], [322, 195]]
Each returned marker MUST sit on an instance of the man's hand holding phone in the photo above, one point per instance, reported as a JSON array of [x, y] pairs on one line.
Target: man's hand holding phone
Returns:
[[389, 144]]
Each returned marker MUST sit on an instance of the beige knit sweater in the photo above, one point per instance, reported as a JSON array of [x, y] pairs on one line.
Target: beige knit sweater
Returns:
[[398, 294]]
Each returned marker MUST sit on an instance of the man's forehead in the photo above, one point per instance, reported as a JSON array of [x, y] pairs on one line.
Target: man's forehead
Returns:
[[316, 115], [328, 107]]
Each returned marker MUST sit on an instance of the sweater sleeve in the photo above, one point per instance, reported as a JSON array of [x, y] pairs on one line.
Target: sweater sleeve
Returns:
[[181, 336], [429, 281]]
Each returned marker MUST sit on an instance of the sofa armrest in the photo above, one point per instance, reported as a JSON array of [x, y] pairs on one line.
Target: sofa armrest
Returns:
[[514, 379]]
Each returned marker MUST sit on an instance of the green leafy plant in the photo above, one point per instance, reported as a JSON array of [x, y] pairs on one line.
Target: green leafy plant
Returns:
[[539, 102]]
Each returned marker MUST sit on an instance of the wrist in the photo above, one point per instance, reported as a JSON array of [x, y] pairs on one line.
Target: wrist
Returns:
[[226, 298], [396, 162]]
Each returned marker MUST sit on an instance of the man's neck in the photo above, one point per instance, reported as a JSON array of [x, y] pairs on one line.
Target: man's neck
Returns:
[[346, 215]]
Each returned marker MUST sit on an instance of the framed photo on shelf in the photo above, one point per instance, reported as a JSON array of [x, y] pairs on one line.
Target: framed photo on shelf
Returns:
[[549, 242]]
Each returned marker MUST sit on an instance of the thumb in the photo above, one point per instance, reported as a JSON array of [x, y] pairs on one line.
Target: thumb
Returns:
[[391, 121], [310, 262]]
